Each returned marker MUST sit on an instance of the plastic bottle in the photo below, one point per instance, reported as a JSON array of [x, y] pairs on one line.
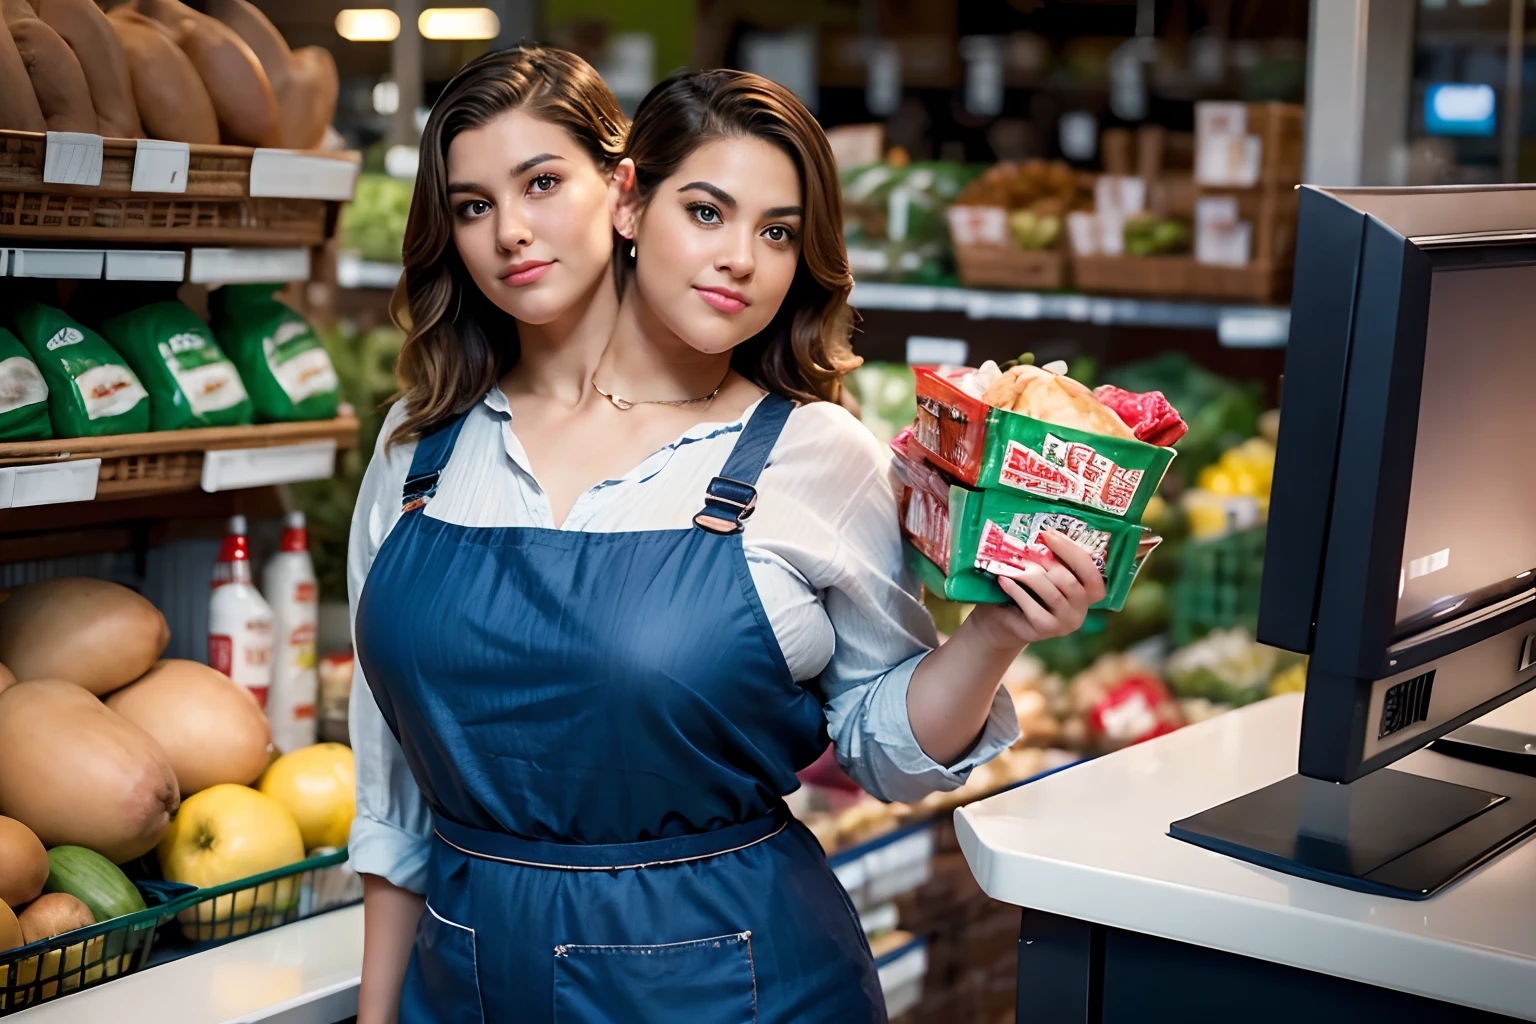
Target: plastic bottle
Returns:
[[289, 583], [239, 620]]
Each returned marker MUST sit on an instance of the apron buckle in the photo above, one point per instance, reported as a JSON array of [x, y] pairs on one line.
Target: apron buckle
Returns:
[[727, 504]]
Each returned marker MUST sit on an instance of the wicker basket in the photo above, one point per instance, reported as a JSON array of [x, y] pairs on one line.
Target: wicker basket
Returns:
[[142, 219], [1001, 266], [1180, 277]]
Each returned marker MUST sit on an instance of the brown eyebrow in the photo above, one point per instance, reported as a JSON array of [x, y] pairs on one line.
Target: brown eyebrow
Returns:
[[719, 193], [526, 165], [785, 211], [534, 161]]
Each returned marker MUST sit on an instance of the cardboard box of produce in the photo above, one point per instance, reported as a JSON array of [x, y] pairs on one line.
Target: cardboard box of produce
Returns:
[[998, 449], [960, 539]]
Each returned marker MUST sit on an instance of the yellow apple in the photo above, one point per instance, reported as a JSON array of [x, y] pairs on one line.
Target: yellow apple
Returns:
[[318, 786], [223, 834]]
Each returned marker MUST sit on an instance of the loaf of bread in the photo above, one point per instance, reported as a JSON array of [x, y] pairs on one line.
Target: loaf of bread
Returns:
[[58, 81], [304, 80], [82, 25], [231, 73], [18, 103], [1053, 397], [171, 99]]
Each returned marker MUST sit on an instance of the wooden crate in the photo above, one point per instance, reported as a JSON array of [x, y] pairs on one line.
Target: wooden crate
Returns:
[[141, 218], [1002, 266], [1180, 277]]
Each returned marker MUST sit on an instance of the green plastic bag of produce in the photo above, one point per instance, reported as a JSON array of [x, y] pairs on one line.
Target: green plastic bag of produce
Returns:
[[191, 382], [284, 366], [23, 394], [91, 390]]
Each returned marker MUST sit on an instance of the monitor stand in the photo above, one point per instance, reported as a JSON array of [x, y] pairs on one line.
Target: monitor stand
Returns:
[[1498, 748], [1391, 833]]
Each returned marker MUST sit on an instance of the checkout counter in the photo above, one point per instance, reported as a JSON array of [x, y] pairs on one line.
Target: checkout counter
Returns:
[[1122, 922]]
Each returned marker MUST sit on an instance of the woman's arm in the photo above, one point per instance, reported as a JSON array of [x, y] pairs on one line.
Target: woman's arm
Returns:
[[389, 929], [952, 689]]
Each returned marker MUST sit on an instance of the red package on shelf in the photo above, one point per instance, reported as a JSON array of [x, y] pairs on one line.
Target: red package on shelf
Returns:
[[1150, 416]]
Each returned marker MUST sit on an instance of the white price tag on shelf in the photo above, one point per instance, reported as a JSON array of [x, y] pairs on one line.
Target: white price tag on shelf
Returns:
[[51, 484], [1254, 328], [924, 351], [72, 158], [5, 262], [229, 469], [287, 174], [253, 266], [160, 166], [75, 264], [146, 265]]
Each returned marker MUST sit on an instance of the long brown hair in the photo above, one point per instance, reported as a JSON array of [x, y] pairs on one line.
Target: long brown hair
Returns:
[[804, 351], [458, 342]]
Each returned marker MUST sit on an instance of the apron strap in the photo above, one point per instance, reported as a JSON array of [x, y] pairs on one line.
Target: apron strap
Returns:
[[731, 497], [427, 464]]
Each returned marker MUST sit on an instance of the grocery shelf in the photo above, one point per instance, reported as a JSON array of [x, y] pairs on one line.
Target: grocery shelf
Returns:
[[167, 462], [301, 973], [1236, 326], [77, 187], [197, 264]]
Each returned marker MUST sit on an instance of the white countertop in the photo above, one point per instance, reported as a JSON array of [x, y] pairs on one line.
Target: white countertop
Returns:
[[302, 973], [1091, 843]]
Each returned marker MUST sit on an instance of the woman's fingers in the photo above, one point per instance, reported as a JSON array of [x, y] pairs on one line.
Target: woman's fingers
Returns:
[[1079, 561], [1040, 622]]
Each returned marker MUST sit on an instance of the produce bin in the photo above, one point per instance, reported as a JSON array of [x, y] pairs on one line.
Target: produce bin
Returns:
[[250, 905], [1003, 266], [85, 957], [1218, 585], [994, 448]]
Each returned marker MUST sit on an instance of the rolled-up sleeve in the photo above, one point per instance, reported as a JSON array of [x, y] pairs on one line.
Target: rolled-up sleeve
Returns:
[[882, 632], [392, 832]]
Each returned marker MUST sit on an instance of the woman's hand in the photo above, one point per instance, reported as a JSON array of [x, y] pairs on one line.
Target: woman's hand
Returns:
[[1049, 601], [952, 688]]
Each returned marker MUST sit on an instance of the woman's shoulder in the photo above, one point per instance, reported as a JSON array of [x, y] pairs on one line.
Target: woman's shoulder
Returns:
[[829, 463]]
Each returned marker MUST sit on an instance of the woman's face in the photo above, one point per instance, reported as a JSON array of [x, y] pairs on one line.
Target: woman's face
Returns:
[[718, 242], [530, 216]]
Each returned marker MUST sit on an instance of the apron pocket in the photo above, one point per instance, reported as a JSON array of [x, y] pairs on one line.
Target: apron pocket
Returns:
[[711, 981], [447, 971]]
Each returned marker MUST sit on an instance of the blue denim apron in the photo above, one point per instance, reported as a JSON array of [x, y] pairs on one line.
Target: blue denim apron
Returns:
[[604, 727]]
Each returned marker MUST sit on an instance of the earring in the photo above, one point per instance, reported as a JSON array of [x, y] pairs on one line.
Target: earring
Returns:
[[631, 250]]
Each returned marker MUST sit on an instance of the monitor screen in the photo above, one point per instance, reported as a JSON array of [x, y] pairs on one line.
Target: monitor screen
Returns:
[[1471, 535], [1456, 108]]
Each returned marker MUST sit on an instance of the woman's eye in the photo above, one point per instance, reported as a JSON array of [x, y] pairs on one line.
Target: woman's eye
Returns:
[[474, 208], [705, 214], [543, 183], [778, 233]]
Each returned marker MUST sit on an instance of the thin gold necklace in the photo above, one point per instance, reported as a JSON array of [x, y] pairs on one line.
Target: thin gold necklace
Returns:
[[627, 404]]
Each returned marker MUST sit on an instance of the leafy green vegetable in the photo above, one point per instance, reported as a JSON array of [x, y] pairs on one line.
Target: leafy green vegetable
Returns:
[[373, 224]]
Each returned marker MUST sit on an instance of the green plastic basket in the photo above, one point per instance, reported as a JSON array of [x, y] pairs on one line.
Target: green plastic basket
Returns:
[[82, 958], [1218, 585], [250, 905]]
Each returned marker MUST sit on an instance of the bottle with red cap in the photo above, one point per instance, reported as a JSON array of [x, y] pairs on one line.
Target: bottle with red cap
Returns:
[[289, 582], [239, 620]]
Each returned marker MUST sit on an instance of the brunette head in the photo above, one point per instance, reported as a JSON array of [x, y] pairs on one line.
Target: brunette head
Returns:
[[508, 222], [729, 195]]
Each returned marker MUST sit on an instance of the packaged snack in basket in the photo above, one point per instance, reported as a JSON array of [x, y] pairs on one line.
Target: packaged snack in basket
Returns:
[[1001, 448], [23, 394], [191, 382], [91, 390], [285, 368]]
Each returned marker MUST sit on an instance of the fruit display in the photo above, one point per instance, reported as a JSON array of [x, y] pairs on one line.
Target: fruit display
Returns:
[[96, 634], [23, 863], [373, 223], [1232, 492], [1150, 235], [1037, 194], [162, 69], [1229, 667], [894, 219], [93, 880]]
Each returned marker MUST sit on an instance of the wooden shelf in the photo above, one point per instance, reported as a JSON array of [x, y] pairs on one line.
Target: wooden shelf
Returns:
[[171, 462]]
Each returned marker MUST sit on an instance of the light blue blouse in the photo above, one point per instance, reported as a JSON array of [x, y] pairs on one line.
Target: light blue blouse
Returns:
[[824, 550]]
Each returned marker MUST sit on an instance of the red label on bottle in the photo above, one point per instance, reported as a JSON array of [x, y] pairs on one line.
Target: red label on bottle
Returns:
[[221, 652], [304, 593]]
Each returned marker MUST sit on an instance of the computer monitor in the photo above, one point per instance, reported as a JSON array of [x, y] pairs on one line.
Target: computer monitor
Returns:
[[1401, 550]]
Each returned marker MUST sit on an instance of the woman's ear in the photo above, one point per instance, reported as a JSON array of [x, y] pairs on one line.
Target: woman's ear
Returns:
[[624, 198]]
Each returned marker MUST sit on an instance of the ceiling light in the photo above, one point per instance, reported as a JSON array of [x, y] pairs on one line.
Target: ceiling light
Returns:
[[459, 23], [368, 24]]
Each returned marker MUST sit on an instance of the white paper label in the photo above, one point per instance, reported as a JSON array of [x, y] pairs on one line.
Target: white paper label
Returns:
[[291, 175], [109, 390], [160, 166], [923, 351], [21, 384], [72, 158]]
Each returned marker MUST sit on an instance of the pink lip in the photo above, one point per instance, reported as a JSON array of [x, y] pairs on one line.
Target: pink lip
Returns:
[[526, 272], [723, 299]]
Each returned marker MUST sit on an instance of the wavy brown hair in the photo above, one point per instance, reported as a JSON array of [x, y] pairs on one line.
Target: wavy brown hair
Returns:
[[458, 343], [804, 351]]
